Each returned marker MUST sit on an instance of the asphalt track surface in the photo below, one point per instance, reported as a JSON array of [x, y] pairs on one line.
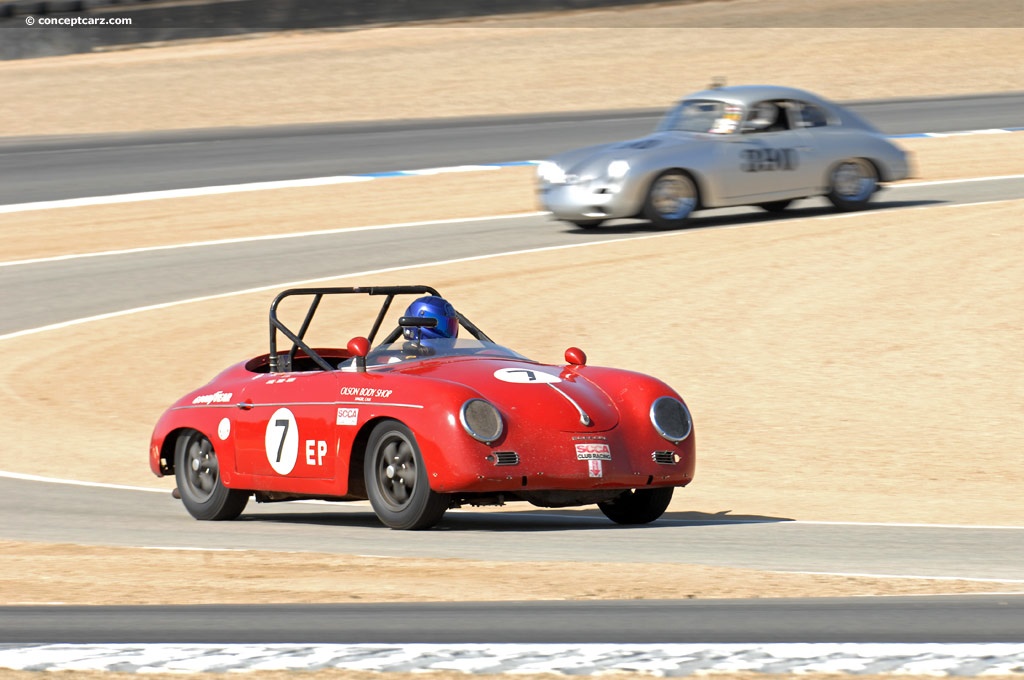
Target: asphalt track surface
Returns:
[[38, 169], [42, 511]]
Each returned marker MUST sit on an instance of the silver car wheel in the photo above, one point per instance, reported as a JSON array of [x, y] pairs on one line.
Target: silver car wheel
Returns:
[[853, 182], [671, 199]]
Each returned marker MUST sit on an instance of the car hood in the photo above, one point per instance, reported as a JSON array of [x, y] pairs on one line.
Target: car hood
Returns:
[[594, 159], [527, 392]]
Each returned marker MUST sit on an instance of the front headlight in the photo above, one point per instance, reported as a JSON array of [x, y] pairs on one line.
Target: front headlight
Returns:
[[671, 419], [550, 172], [481, 420], [618, 169]]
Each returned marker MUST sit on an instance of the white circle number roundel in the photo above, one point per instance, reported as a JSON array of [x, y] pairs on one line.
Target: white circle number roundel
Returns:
[[525, 375], [282, 441]]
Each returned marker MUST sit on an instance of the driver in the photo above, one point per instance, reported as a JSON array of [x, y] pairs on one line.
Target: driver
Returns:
[[423, 339]]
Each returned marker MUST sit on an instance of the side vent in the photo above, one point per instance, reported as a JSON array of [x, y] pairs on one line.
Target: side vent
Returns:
[[664, 457], [506, 458]]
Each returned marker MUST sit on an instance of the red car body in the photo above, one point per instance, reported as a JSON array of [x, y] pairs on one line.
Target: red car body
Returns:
[[474, 423]]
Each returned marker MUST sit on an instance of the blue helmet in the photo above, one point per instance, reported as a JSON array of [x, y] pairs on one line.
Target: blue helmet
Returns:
[[432, 307]]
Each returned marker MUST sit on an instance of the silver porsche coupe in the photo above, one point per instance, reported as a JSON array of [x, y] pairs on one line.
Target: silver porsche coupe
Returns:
[[760, 145]]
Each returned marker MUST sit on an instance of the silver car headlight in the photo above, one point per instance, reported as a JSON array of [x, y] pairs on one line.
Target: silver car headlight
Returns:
[[550, 172], [618, 169], [671, 419], [481, 420]]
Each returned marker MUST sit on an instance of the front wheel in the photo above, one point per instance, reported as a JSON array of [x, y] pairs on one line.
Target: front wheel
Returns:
[[671, 199], [852, 183], [197, 472], [638, 506], [397, 482]]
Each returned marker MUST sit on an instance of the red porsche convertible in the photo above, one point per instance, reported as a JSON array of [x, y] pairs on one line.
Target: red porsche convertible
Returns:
[[434, 416]]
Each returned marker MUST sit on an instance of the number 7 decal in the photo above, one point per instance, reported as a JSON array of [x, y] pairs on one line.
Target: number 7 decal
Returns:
[[281, 441], [283, 422]]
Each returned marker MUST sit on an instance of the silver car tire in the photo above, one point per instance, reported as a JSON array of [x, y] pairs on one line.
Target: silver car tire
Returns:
[[852, 183], [671, 199]]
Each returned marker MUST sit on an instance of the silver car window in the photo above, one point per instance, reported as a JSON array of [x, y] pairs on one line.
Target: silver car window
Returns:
[[770, 116], [699, 115], [809, 115]]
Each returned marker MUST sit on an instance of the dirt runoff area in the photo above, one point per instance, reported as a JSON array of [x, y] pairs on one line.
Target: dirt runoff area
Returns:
[[854, 368]]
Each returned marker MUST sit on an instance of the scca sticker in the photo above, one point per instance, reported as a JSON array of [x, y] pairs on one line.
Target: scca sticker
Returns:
[[593, 452], [525, 375], [347, 416], [282, 441]]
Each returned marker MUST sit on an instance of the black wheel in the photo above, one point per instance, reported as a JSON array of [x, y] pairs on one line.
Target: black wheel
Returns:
[[775, 206], [671, 199], [396, 480], [852, 183], [638, 506], [588, 224], [198, 474]]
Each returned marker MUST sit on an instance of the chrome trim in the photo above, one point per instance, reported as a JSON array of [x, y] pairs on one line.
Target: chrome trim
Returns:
[[503, 458], [664, 457], [476, 435], [378, 403], [584, 417], [279, 404], [660, 431]]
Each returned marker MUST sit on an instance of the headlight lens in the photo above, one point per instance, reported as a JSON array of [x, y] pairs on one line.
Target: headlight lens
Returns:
[[481, 420], [618, 169], [550, 172], [671, 419]]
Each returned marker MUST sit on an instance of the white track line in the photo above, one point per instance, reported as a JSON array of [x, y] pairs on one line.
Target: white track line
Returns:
[[267, 237], [101, 485], [372, 227], [475, 258]]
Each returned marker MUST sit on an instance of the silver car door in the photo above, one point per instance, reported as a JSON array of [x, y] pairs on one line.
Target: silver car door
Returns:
[[769, 157]]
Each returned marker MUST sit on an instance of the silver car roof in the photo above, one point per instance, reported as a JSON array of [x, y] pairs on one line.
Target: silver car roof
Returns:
[[750, 94], [745, 95]]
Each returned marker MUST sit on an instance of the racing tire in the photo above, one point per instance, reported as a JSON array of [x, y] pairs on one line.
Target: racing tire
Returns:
[[852, 183], [197, 471], [671, 199], [396, 480], [775, 206], [638, 506], [588, 224]]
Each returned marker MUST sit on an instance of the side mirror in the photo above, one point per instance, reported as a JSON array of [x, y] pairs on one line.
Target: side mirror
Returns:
[[575, 356], [359, 347]]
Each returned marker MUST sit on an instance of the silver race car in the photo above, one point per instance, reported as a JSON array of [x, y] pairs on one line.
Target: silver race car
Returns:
[[743, 145]]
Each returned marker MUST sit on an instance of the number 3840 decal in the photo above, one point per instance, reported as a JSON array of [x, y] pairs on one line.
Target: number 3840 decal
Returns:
[[768, 160]]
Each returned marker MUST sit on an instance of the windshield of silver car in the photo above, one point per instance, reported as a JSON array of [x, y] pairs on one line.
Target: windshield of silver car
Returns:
[[702, 115]]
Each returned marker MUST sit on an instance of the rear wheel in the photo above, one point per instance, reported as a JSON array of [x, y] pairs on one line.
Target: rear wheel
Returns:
[[638, 506], [397, 482], [197, 472], [852, 183], [671, 199]]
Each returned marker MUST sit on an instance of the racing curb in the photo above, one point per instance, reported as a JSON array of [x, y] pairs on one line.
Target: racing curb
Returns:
[[669, 660]]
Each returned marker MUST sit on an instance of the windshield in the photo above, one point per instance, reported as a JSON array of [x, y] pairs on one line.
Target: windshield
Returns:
[[702, 115], [404, 350]]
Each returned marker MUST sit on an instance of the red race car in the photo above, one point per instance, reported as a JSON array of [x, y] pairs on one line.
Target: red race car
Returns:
[[426, 420]]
